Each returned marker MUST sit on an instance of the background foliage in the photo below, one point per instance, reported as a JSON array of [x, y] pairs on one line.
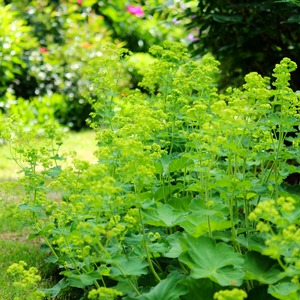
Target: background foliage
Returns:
[[247, 36], [65, 36]]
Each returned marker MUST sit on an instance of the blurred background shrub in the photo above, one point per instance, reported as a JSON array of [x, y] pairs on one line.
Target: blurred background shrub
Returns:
[[247, 36], [47, 45], [15, 41]]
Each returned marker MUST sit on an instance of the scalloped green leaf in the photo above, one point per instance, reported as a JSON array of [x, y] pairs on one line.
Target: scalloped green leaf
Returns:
[[170, 288], [33, 208], [55, 290], [128, 266], [164, 215], [83, 280], [227, 18], [285, 291], [207, 259], [179, 164], [169, 164], [200, 289], [174, 249], [261, 268], [197, 224]]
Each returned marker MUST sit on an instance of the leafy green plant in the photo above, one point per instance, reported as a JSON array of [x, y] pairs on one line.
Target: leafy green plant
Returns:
[[182, 177], [14, 222]]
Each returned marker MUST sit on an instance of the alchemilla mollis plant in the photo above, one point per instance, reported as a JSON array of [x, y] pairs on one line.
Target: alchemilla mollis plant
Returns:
[[189, 198], [25, 281]]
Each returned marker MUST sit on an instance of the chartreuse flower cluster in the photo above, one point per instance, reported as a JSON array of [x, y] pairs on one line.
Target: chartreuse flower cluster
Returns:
[[25, 281], [234, 294], [177, 163], [104, 293], [278, 221]]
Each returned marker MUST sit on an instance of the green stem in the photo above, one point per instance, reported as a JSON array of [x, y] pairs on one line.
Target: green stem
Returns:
[[172, 136], [164, 189], [281, 263], [146, 248], [246, 213], [233, 229], [128, 280], [120, 269], [50, 246], [97, 284], [206, 195], [72, 258]]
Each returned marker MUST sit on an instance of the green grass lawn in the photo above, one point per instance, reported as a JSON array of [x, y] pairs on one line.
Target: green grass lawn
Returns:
[[82, 143], [14, 245]]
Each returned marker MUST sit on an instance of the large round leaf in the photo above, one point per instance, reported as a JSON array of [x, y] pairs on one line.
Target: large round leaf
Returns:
[[207, 259], [261, 268], [171, 288]]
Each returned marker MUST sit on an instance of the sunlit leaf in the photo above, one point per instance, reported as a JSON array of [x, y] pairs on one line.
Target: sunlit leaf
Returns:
[[164, 215], [169, 164], [180, 164], [197, 224]]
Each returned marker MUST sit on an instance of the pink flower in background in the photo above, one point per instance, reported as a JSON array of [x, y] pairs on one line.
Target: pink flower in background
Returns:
[[43, 49], [79, 2], [192, 38], [135, 10]]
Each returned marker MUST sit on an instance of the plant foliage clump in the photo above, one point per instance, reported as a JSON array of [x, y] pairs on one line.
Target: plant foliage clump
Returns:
[[247, 35], [179, 205]]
